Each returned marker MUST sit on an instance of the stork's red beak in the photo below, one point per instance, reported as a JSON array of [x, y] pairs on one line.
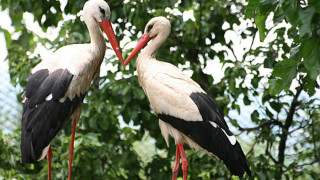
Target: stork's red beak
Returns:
[[107, 28], [142, 42]]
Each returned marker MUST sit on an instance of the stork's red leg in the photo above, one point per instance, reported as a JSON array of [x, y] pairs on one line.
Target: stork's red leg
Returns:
[[49, 157], [175, 169], [184, 160], [70, 155]]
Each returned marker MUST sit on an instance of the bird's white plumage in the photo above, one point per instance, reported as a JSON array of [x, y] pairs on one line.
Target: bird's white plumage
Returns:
[[231, 138], [168, 89], [186, 112], [213, 124], [44, 152], [166, 130], [49, 97], [81, 60]]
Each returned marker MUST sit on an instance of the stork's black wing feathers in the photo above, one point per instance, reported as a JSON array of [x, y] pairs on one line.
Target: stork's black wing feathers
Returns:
[[61, 85], [35, 80], [211, 138], [209, 110], [42, 119]]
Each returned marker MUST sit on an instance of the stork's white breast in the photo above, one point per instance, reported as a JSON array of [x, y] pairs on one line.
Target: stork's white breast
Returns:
[[168, 90]]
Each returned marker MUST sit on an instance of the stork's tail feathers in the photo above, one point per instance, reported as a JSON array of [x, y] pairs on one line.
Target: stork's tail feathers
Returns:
[[28, 155], [240, 165]]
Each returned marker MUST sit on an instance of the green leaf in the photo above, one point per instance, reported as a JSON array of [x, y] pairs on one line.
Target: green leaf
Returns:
[[312, 63], [246, 100], [266, 6], [268, 63], [294, 52], [127, 98], [255, 81], [310, 52], [93, 122], [260, 22], [138, 93], [315, 4], [7, 36], [113, 16], [205, 28], [125, 90], [305, 17], [275, 86], [251, 7], [287, 71], [269, 114], [255, 116], [276, 106], [291, 11], [104, 123], [284, 68]]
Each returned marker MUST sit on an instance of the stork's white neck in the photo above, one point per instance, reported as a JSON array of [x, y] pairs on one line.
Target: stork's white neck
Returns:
[[152, 48], [98, 45], [150, 51], [147, 56]]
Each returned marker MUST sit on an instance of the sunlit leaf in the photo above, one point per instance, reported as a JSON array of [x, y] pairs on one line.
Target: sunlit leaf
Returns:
[[260, 21]]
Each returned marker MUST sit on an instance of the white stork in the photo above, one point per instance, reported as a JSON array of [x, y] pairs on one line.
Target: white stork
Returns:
[[58, 85], [185, 111]]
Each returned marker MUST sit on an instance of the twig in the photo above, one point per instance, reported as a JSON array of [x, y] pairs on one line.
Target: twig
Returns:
[[307, 164], [314, 142], [233, 53], [285, 133], [253, 38], [301, 126], [268, 153], [253, 145], [261, 125]]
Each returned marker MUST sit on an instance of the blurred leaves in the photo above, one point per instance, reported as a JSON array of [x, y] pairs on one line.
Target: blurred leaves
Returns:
[[116, 113]]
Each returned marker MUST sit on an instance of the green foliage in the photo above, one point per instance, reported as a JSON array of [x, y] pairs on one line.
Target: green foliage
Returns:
[[304, 19], [284, 108]]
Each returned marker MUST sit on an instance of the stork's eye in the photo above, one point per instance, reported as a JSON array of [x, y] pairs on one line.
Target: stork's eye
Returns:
[[102, 10], [149, 27]]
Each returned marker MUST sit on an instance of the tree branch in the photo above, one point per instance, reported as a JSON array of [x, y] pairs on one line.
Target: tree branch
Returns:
[[253, 145], [261, 125], [233, 53], [269, 154], [285, 128], [308, 164], [253, 38], [301, 126], [314, 142]]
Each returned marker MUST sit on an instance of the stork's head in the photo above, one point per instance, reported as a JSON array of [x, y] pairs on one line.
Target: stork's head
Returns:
[[99, 11], [157, 27]]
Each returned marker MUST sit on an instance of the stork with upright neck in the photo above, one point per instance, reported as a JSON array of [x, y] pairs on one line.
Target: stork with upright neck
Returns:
[[58, 85], [185, 111]]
